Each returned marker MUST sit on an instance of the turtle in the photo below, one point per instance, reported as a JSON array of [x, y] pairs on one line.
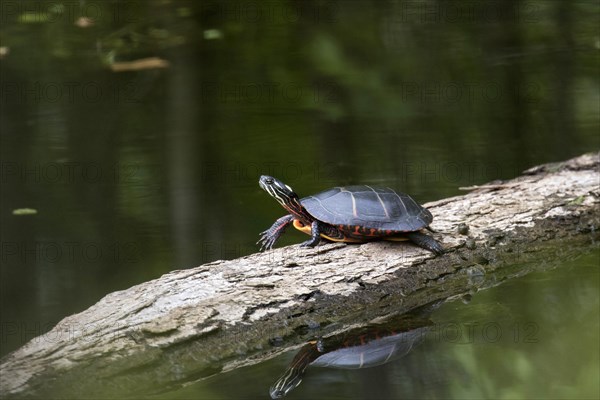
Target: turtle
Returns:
[[362, 347], [354, 214]]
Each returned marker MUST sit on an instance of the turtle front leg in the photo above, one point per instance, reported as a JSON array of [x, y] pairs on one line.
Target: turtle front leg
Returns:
[[271, 235], [315, 235]]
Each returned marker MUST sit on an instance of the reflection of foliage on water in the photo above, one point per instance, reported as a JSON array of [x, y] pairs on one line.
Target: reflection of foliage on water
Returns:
[[553, 316], [395, 73]]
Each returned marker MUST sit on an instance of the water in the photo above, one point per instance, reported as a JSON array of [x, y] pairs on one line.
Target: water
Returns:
[[134, 174]]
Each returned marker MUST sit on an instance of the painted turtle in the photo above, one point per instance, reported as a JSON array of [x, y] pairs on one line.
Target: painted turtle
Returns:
[[349, 214], [359, 348]]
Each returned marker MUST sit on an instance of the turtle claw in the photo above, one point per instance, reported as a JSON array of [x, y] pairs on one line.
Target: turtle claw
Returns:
[[309, 243], [266, 241], [270, 236]]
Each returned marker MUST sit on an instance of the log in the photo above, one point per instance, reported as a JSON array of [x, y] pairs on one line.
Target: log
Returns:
[[191, 324]]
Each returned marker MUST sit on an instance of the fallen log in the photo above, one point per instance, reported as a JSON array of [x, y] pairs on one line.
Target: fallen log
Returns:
[[191, 324]]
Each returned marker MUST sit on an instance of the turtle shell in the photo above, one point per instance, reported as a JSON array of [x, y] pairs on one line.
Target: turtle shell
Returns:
[[368, 207]]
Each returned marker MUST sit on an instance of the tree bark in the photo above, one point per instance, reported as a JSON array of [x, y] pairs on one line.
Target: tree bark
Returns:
[[190, 324]]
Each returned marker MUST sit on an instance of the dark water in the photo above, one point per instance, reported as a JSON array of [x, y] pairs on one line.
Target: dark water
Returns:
[[137, 173]]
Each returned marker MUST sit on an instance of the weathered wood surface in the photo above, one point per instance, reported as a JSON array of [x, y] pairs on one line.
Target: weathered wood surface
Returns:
[[193, 323]]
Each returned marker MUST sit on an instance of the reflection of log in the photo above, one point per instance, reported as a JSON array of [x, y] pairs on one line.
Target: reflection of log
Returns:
[[194, 323]]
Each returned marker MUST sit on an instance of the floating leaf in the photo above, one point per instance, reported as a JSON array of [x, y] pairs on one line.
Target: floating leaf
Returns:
[[211, 34], [24, 211]]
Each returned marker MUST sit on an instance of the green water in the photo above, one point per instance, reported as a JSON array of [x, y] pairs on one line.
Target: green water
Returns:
[[134, 174]]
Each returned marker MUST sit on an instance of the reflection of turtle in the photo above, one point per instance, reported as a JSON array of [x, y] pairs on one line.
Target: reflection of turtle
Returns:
[[349, 214], [359, 348]]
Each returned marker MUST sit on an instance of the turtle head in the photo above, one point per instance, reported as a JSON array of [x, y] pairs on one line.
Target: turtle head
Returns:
[[278, 190], [286, 197]]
